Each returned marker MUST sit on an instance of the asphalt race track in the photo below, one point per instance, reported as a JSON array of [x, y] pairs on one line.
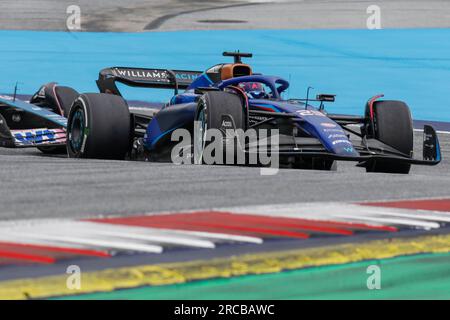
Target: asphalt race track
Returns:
[[158, 222], [157, 15], [35, 185], [38, 186]]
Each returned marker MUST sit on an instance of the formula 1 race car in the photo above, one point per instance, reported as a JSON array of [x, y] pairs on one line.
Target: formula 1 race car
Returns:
[[227, 96], [40, 123]]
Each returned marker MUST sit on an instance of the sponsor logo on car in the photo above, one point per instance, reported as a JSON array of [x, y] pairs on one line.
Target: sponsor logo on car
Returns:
[[337, 135], [342, 141], [154, 75], [41, 93], [186, 76], [38, 136], [16, 117], [328, 125], [337, 130], [349, 149], [227, 124], [310, 113], [143, 74]]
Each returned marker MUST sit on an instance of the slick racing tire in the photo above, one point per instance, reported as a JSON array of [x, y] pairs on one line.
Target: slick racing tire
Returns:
[[394, 127], [217, 110], [6, 138], [66, 96], [98, 127]]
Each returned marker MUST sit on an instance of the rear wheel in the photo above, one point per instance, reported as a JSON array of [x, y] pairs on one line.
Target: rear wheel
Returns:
[[61, 99], [393, 126], [98, 127], [217, 110]]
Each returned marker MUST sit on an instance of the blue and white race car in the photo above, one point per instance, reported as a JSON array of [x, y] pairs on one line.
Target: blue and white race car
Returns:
[[226, 97]]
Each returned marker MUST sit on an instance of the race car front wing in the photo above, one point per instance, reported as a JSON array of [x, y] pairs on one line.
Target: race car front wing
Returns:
[[369, 150]]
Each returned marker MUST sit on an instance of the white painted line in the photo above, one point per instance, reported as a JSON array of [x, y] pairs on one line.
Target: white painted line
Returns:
[[108, 244], [392, 221], [291, 209], [444, 213], [201, 235], [21, 240], [310, 211], [223, 236], [182, 237], [342, 212], [138, 233], [412, 215]]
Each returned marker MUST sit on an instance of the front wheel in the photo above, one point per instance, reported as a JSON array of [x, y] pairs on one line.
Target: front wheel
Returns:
[[98, 127], [393, 126], [60, 99], [221, 111]]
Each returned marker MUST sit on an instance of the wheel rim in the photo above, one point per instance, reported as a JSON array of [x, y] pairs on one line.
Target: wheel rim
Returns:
[[200, 137], [76, 133]]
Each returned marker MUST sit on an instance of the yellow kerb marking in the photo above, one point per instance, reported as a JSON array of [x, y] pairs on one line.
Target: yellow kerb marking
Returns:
[[173, 273]]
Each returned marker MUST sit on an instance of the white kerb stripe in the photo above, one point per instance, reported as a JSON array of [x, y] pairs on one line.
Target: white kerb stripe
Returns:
[[223, 236], [139, 234], [109, 244], [391, 221], [421, 216]]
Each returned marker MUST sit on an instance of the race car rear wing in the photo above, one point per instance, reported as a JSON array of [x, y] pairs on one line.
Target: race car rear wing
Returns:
[[146, 78]]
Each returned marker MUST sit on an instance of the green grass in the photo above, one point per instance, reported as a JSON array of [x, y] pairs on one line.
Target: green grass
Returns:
[[413, 277]]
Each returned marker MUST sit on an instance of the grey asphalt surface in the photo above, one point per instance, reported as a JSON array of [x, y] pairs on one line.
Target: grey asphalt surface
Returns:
[[160, 15], [36, 186]]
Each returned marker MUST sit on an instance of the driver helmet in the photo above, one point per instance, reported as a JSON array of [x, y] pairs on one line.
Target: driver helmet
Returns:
[[253, 89], [252, 86]]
